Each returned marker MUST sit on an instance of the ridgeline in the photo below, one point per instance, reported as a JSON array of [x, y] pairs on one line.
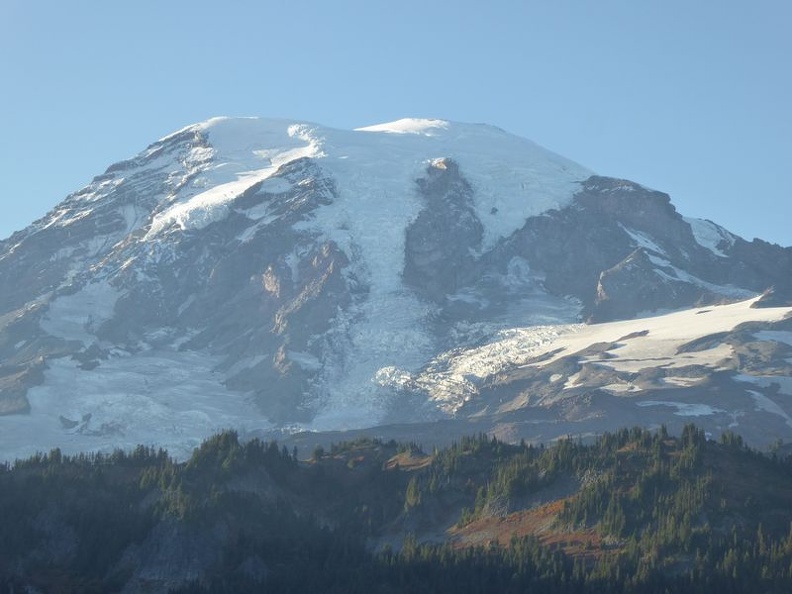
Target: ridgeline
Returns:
[[635, 511]]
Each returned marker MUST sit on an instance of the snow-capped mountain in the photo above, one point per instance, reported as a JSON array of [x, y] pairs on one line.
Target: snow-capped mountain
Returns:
[[277, 275]]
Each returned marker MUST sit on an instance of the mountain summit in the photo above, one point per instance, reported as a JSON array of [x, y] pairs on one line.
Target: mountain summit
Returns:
[[272, 275]]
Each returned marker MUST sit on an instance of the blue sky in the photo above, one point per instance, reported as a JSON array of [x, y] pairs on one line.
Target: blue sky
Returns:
[[692, 98]]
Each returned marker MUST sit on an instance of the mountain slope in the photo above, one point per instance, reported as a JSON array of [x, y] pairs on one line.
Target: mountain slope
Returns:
[[267, 274]]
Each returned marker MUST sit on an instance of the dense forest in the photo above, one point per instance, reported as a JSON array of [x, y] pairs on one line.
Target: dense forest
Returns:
[[634, 511]]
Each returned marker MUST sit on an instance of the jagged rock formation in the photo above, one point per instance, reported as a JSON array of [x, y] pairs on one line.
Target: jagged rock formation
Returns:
[[442, 241]]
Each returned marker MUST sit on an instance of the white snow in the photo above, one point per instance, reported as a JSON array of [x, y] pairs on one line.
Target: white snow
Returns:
[[684, 381], [764, 403], [674, 274], [783, 382], [664, 336], [364, 339], [133, 216], [425, 127], [305, 360], [164, 399], [375, 169], [77, 316], [245, 151], [452, 378], [642, 240], [710, 235], [684, 409], [643, 343]]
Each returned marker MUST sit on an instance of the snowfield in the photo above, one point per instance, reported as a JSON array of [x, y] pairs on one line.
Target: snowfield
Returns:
[[710, 235], [452, 378], [160, 398]]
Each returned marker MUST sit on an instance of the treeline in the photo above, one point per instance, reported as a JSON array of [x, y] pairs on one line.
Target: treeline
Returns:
[[658, 513]]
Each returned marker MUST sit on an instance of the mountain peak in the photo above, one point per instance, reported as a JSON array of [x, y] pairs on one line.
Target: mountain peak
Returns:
[[254, 272]]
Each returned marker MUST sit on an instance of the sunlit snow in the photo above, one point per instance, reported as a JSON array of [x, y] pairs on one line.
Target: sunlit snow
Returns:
[[245, 151], [641, 240], [639, 344], [669, 272], [710, 235]]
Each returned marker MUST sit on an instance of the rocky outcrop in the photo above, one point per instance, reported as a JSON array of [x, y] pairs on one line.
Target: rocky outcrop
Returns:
[[637, 284], [442, 241], [250, 294], [622, 249]]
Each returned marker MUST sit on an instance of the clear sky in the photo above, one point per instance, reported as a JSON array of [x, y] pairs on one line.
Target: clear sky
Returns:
[[690, 97]]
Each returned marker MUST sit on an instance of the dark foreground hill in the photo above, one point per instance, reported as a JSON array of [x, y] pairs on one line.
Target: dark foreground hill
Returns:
[[635, 511]]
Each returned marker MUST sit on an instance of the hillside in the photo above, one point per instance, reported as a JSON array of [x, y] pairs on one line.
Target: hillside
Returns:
[[635, 511]]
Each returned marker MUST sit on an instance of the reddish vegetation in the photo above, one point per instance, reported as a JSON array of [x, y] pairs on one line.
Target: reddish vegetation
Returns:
[[408, 461], [538, 522]]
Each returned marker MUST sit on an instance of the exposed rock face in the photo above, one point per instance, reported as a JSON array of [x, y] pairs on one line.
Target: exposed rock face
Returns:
[[89, 223], [622, 250], [442, 241], [635, 284], [312, 273], [251, 294]]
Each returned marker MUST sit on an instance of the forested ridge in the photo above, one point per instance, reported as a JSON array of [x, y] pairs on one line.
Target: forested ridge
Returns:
[[634, 511]]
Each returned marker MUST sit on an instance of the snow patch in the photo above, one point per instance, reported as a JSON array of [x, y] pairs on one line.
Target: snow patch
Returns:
[[644, 241], [453, 378], [783, 382], [710, 235], [425, 127], [659, 338], [764, 403], [77, 316], [683, 381], [245, 364], [674, 274], [245, 152], [620, 388], [685, 409]]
